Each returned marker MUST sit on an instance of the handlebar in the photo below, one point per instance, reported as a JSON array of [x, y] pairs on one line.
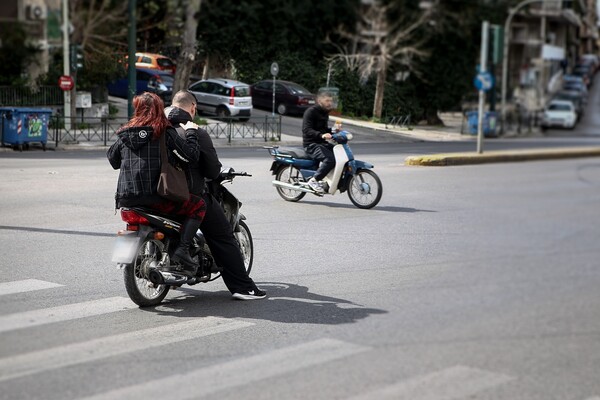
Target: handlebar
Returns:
[[228, 172]]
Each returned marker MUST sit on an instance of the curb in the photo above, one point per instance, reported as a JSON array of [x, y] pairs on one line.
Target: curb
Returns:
[[450, 159]]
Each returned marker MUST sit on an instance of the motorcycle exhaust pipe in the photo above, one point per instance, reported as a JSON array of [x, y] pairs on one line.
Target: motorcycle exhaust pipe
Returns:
[[293, 187], [166, 278]]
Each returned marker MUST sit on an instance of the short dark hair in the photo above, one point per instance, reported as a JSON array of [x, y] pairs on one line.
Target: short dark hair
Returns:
[[183, 98]]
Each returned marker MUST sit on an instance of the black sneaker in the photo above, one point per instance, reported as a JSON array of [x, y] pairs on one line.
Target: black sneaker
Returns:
[[255, 294]]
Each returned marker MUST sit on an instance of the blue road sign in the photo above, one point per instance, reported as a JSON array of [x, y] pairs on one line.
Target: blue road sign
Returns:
[[484, 81]]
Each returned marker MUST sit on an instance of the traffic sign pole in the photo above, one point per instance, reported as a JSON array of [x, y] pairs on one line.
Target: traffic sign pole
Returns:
[[483, 70], [66, 71], [274, 72]]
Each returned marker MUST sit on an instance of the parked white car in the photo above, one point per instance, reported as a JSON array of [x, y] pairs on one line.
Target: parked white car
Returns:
[[559, 113]]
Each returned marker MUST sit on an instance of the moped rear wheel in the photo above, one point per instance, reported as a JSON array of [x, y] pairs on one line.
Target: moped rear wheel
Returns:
[[365, 189], [137, 283], [289, 174]]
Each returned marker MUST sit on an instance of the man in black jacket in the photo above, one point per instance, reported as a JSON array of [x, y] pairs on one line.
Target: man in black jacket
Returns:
[[216, 228], [315, 133]]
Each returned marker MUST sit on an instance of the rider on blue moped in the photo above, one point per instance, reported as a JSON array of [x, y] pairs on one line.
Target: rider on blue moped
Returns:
[[315, 136]]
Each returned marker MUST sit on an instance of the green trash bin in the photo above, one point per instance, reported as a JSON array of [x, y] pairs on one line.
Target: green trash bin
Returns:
[[21, 126]]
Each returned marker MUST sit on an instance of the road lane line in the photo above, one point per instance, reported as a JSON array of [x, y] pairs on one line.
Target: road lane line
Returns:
[[27, 285], [69, 312], [96, 349], [451, 383], [238, 372]]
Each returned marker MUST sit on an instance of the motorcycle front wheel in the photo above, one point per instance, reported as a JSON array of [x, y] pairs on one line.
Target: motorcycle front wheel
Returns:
[[289, 174], [244, 239], [139, 288], [365, 189]]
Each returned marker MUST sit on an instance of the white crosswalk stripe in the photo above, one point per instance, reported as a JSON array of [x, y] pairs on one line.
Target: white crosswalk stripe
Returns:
[[27, 285], [239, 372], [45, 316], [92, 350], [451, 383]]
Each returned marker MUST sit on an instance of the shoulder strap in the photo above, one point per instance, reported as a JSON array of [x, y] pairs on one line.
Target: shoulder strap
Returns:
[[163, 147]]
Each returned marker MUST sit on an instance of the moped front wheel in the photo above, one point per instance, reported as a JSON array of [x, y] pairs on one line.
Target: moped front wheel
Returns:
[[365, 189], [137, 282], [292, 175]]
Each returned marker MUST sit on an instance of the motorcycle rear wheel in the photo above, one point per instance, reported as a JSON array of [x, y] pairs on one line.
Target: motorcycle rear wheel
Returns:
[[365, 189], [139, 288], [289, 174]]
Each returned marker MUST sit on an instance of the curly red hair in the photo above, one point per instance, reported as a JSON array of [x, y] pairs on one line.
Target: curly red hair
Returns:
[[149, 111]]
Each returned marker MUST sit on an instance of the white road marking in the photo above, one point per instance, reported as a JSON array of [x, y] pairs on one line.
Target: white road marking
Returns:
[[27, 285], [96, 349], [69, 312], [238, 372], [451, 383]]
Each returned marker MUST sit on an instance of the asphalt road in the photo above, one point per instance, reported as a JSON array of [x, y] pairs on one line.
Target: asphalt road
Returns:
[[464, 282]]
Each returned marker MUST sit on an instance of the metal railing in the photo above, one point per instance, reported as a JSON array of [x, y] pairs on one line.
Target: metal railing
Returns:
[[30, 97], [104, 130]]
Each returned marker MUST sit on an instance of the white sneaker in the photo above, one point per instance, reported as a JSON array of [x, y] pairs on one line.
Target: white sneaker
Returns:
[[315, 185]]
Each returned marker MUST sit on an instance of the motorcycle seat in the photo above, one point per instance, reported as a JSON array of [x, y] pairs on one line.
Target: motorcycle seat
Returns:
[[296, 152]]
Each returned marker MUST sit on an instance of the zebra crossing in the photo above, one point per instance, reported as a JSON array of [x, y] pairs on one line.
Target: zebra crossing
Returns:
[[454, 382]]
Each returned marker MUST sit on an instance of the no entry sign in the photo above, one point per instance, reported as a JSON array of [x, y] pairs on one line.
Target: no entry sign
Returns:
[[65, 82]]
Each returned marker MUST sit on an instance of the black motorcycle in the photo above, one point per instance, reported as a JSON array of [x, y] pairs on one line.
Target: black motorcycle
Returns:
[[144, 249]]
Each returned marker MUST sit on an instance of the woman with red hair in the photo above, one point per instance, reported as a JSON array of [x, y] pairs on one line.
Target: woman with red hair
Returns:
[[136, 153]]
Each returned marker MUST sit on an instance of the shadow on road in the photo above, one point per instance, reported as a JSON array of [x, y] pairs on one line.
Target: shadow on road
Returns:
[[287, 303], [376, 208]]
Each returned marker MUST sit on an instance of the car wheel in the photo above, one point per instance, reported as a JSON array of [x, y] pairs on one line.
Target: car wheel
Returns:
[[223, 112], [281, 109]]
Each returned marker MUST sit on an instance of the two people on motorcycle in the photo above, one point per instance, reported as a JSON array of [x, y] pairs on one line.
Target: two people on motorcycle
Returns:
[[137, 154], [315, 136]]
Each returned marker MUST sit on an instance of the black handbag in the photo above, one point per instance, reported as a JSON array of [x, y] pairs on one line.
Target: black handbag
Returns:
[[172, 183]]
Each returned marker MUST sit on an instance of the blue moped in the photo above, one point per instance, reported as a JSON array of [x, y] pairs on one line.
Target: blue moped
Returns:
[[293, 167]]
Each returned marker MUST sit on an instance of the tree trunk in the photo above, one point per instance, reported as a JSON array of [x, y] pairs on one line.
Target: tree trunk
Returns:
[[432, 117], [379, 92], [187, 56]]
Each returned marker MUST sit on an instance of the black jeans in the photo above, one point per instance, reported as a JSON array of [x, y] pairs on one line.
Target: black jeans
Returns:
[[225, 250], [324, 154]]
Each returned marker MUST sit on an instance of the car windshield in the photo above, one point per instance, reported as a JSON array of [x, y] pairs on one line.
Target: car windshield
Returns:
[[164, 62], [242, 91], [297, 89], [559, 107], [166, 79]]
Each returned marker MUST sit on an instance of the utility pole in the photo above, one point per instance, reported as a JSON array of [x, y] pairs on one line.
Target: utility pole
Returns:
[[482, 70], [131, 58], [66, 63]]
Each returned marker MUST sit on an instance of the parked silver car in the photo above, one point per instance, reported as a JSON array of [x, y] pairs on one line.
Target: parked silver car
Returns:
[[223, 97]]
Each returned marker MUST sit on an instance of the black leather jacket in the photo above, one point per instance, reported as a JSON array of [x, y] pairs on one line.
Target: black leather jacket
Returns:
[[208, 164]]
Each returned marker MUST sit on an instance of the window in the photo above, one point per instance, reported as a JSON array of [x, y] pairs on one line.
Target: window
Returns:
[[241, 91]]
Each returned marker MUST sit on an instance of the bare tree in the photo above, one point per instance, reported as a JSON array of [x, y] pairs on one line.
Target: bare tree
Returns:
[[378, 44], [187, 56]]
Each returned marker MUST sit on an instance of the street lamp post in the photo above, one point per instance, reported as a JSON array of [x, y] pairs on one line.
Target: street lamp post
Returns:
[[511, 14]]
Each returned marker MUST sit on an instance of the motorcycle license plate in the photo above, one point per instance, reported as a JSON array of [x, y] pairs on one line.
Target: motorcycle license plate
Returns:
[[125, 249]]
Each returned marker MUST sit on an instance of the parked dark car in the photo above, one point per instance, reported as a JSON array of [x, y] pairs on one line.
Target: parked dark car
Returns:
[[147, 80], [290, 97]]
